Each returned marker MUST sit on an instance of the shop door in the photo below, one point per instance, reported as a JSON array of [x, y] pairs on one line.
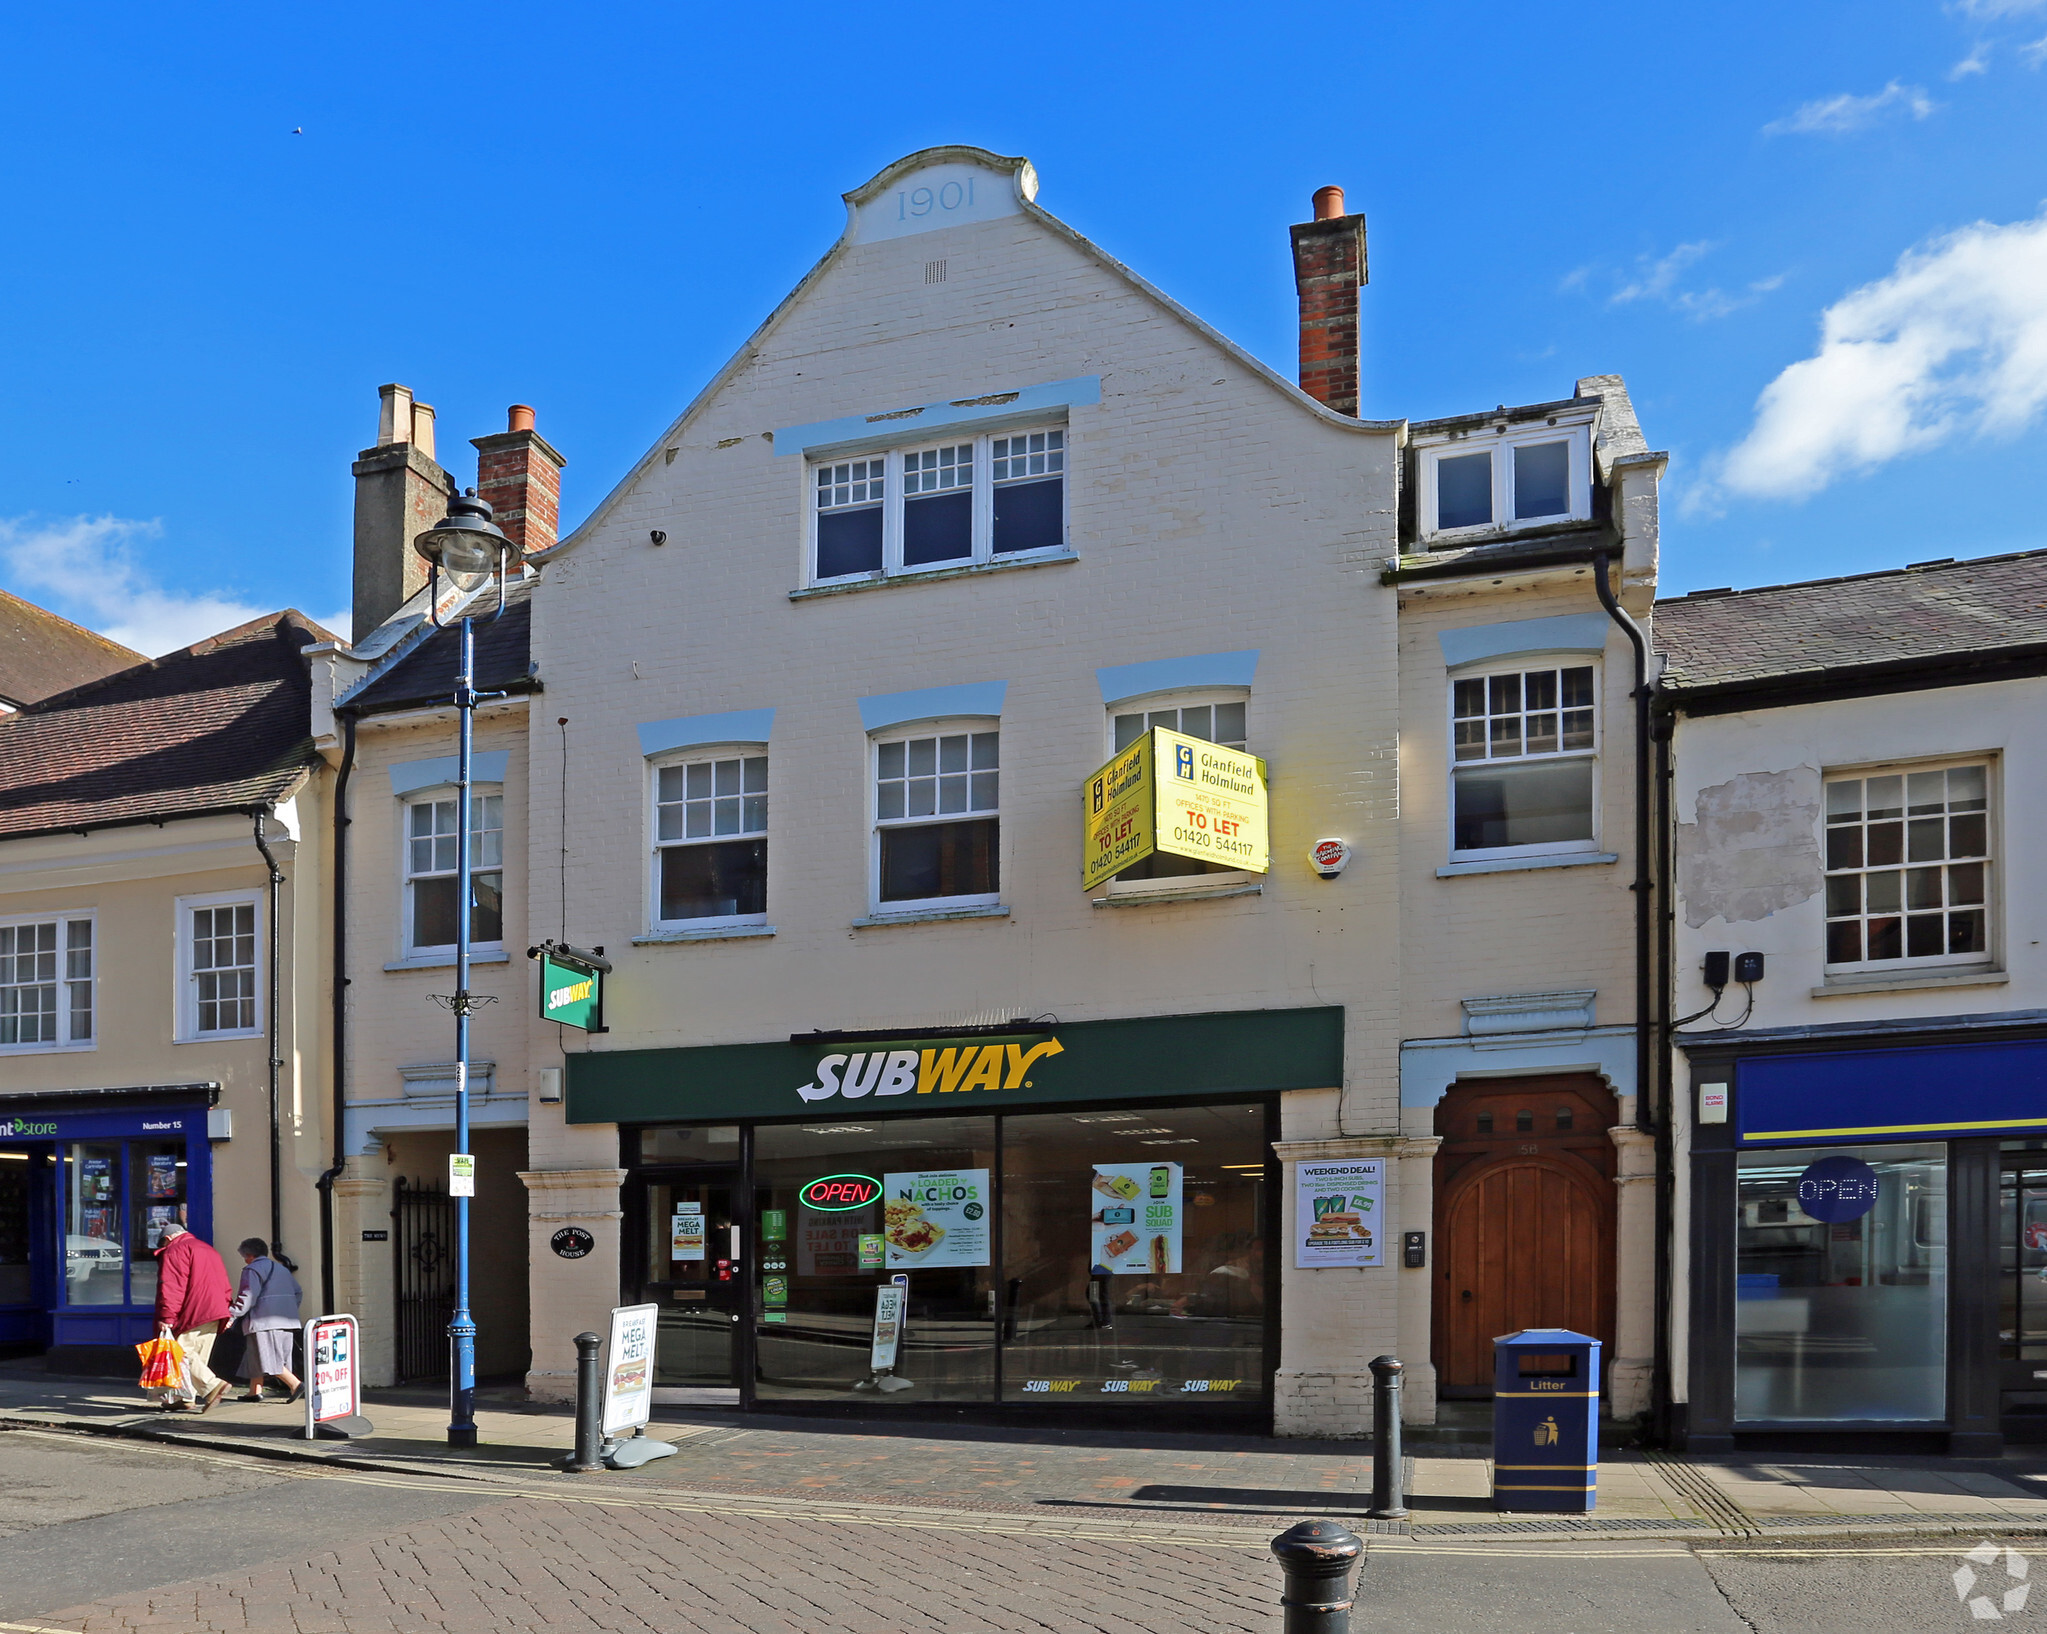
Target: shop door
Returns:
[[1524, 1219], [25, 1222], [2022, 1294], [689, 1265]]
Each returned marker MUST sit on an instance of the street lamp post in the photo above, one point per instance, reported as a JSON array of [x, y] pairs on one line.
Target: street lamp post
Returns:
[[468, 547]]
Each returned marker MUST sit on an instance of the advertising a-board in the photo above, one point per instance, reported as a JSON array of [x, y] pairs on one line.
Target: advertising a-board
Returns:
[[333, 1372], [629, 1368]]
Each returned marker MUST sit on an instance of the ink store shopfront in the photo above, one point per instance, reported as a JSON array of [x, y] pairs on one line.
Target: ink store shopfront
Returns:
[[1047, 1219], [87, 1184], [1869, 1241]]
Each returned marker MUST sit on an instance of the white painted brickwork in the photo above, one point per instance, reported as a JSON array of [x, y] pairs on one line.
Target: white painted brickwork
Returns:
[[1210, 510]]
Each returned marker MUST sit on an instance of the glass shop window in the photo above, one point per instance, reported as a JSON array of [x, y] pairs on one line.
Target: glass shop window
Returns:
[[910, 1197], [156, 1198], [1134, 1256], [95, 1244], [1841, 1285]]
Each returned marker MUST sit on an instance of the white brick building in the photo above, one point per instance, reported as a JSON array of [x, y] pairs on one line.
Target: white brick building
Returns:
[[974, 511]]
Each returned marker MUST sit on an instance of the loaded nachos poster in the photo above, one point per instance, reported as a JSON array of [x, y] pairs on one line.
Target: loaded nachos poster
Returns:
[[1340, 1213], [936, 1217], [1136, 1222]]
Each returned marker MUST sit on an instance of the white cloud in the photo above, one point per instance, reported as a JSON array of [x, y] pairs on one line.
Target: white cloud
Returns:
[[2034, 52], [1839, 115], [1999, 8], [87, 568], [1657, 280], [1976, 62], [1952, 343]]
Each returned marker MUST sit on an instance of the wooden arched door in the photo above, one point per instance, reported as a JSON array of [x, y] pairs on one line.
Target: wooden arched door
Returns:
[[1524, 1218]]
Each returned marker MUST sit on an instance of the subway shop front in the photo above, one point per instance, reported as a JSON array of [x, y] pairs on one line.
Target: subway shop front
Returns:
[[1020, 1221]]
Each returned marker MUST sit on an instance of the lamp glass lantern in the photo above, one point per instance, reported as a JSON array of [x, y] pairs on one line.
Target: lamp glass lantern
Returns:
[[467, 545]]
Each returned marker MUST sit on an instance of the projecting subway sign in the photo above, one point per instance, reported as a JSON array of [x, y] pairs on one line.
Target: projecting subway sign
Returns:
[[570, 993]]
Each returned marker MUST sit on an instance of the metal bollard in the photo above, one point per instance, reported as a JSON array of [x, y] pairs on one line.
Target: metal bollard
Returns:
[[1389, 1502], [1317, 1557], [589, 1455]]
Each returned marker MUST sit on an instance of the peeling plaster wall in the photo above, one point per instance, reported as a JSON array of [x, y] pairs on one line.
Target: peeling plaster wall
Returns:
[[1755, 849]]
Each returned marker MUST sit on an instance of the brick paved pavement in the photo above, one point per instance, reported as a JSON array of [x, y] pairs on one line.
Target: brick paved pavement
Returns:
[[538, 1564]]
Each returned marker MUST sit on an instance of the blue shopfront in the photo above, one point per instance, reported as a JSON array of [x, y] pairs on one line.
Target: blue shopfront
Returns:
[[1869, 1238], [86, 1188]]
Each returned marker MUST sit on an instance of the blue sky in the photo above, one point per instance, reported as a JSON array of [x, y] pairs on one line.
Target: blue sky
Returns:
[[1811, 236]]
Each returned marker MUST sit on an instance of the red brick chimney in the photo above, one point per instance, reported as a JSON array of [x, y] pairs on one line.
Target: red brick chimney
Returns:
[[519, 474], [1329, 270]]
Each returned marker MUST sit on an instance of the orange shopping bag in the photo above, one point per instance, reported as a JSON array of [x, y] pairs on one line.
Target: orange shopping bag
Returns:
[[163, 1364]]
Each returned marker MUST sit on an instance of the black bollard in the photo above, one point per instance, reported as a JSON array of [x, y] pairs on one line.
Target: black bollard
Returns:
[[1317, 1557], [1389, 1502], [589, 1454]]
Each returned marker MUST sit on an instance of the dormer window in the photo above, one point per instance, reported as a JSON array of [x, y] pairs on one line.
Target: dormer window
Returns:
[[1503, 478]]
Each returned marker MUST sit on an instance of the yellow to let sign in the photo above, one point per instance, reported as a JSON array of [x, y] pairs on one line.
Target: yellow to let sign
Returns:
[[1180, 795], [1118, 811]]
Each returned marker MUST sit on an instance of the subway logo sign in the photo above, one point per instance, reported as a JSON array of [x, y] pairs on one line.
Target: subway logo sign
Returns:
[[569, 993], [957, 1069]]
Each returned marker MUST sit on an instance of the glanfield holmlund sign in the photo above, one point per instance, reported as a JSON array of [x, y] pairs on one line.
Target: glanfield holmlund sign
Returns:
[[1182, 796]]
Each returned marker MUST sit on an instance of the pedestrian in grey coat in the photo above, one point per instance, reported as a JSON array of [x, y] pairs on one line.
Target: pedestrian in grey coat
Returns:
[[267, 1306]]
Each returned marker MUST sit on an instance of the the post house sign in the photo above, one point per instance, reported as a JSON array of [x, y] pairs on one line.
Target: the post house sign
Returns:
[[949, 1070]]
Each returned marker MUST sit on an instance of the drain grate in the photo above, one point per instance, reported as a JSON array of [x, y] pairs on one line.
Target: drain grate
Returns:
[[1553, 1523], [1693, 1485]]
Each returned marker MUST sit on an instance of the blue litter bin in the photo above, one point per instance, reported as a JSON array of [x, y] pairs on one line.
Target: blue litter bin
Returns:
[[1546, 1421]]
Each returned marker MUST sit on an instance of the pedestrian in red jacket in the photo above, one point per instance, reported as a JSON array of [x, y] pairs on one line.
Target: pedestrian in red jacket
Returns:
[[192, 1300]]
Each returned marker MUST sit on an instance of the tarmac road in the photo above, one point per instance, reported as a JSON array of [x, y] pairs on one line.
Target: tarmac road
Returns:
[[119, 1535]]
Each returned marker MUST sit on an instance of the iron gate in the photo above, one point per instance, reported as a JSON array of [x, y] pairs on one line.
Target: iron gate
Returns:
[[425, 1246]]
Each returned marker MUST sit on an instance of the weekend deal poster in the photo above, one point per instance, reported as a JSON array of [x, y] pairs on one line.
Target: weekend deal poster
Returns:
[[1136, 1224], [1340, 1211], [936, 1217]]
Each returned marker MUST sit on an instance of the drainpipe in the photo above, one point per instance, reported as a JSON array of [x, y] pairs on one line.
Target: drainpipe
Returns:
[[1662, 728], [340, 1019], [1644, 886], [270, 1040], [1647, 1013]]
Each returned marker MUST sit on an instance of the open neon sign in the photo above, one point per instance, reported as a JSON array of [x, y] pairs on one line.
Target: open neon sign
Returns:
[[834, 1193]]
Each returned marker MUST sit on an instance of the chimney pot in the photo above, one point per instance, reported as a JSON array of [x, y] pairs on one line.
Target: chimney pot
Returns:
[[520, 475], [394, 415], [399, 493], [423, 428], [1329, 270]]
